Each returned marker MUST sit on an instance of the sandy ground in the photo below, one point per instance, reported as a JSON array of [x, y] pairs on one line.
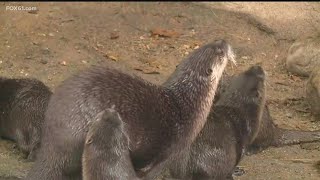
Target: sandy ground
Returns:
[[60, 39]]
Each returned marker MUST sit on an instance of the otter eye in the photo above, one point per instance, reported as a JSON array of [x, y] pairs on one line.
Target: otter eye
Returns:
[[89, 141], [209, 71]]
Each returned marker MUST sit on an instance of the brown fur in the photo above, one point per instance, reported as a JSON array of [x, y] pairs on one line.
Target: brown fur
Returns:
[[270, 135], [231, 127], [106, 150], [161, 120]]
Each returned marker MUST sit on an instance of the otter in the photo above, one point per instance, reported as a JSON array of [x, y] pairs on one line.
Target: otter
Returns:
[[270, 135], [231, 127], [23, 102], [105, 154], [162, 120]]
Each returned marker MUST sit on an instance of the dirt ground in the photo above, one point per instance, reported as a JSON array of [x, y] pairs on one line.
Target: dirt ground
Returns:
[[62, 38]]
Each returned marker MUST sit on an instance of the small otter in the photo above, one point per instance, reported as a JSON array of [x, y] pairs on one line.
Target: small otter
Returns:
[[105, 154], [269, 134], [175, 111], [22, 106], [230, 129]]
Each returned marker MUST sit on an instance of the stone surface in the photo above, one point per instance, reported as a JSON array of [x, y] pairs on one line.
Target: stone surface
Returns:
[[281, 17], [313, 92], [304, 56]]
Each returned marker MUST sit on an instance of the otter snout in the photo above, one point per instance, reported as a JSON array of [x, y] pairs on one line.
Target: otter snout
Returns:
[[223, 48], [221, 43], [220, 46]]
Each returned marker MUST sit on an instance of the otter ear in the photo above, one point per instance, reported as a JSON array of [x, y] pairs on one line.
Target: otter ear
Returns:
[[209, 71]]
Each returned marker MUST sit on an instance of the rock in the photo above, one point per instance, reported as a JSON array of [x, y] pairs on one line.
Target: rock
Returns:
[[313, 92], [303, 56]]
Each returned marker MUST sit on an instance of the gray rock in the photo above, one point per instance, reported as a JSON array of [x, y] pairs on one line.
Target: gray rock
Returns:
[[313, 92], [303, 56]]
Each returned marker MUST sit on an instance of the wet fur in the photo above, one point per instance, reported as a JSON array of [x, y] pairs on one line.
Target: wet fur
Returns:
[[161, 119], [106, 155], [270, 135], [231, 127], [22, 106]]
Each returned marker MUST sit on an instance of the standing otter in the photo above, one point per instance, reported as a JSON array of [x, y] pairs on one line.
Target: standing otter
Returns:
[[231, 127], [105, 154], [161, 119], [22, 106], [269, 134]]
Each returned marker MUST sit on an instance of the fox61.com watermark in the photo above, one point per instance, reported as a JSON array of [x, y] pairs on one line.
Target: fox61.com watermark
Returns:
[[21, 8]]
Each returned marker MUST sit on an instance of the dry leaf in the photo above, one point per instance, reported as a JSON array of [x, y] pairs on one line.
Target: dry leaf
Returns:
[[145, 71], [114, 58], [114, 35], [164, 33], [64, 63]]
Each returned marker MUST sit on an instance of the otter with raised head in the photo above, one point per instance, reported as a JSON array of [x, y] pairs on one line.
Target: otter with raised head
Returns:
[[270, 135], [22, 105], [105, 154], [161, 120], [230, 129]]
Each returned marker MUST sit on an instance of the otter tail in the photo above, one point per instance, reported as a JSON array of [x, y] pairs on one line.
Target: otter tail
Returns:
[[285, 137]]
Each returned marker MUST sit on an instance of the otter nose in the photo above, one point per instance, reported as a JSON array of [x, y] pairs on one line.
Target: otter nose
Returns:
[[221, 46]]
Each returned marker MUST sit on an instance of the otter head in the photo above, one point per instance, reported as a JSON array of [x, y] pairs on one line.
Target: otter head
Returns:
[[195, 81], [205, 64], [247, 93], [246, 88], [108, 123]]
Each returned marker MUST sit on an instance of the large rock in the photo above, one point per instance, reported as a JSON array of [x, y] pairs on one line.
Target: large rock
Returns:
[[303, 56], [281, 17], [313, 92]]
